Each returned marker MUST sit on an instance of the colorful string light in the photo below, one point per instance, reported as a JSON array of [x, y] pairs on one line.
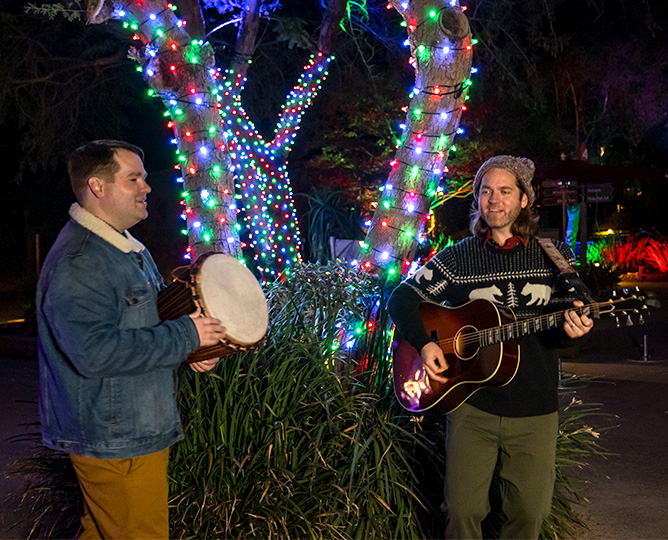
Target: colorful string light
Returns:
[[228, 171], [442, 71], [270, 222]]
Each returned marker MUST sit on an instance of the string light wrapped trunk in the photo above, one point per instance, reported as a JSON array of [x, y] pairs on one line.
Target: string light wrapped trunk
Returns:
[[226, 165], [181, 71], [441, 51], [263, 185]]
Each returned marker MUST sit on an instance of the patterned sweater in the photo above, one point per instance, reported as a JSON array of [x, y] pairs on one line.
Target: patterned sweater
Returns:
[[522, 278]]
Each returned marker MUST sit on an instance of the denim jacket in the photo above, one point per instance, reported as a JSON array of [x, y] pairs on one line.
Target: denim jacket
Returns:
[[107, 364]]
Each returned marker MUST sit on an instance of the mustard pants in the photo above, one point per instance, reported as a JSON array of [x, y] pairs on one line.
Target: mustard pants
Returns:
[[522, 449], [124, 498]]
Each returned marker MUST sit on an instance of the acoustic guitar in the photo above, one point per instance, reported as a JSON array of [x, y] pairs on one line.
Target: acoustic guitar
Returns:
[[480, 343]]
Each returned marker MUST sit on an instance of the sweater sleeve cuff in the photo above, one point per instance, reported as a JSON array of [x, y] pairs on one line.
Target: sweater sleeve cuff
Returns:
[[404, 308]]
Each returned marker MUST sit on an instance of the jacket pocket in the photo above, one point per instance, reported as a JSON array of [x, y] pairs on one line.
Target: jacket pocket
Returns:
[[136, 302]]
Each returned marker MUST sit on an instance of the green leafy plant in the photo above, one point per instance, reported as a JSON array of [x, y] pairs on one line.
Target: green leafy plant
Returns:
[[578, 440], [288, 440], [327, 216], [51, 501], [632, 253], [601, 278]]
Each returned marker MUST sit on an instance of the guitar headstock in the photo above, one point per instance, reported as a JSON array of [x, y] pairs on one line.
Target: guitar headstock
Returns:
[[629, 303]]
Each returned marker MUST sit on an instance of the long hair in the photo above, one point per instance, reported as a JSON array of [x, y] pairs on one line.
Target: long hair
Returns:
[[526, 224]]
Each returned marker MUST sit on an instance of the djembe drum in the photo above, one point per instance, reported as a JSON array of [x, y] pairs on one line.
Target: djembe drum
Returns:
[[224, 289]]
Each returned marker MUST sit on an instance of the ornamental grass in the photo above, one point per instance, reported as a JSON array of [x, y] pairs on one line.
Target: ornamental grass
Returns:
[[297, 439]]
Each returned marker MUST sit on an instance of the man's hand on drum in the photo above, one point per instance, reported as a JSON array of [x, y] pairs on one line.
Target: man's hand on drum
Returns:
[[204, 365], [210, 330]]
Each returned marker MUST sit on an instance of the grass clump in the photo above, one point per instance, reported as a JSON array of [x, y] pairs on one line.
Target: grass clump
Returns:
[[294, 439]]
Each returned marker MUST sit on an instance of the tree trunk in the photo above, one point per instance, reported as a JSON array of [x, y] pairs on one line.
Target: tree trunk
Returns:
[[182, 72], [440, 42], [219, 150], [245, 46], [334, 12], [270, 221]]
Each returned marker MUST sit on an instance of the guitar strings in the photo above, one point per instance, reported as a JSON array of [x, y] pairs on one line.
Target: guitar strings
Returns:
[[474, 337]]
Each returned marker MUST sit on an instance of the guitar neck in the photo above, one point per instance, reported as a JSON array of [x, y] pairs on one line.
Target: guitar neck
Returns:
[[524, 327]]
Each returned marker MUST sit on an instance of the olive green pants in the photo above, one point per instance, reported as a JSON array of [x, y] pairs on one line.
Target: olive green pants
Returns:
[[124, 498], [523, 449]]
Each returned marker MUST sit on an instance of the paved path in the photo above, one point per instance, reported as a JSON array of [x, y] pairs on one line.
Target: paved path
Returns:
[[18, 403], [627, 492]]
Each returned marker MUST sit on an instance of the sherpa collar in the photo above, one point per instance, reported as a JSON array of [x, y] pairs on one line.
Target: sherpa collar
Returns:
[[125, 242]]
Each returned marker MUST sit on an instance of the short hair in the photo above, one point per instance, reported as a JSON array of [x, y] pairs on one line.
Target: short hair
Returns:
[[97, 158], [526, 224]]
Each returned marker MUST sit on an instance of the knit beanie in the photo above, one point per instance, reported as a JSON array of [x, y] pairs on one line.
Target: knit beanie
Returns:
[[520, 167]]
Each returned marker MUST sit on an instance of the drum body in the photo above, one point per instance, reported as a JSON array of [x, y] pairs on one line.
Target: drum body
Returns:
[[225, 289]]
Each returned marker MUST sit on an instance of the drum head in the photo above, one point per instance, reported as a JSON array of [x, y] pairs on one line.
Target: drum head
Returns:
[[229, 292]]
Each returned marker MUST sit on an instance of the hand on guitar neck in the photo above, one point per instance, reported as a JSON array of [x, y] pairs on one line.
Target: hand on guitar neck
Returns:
[[434, 361], [576, 325]]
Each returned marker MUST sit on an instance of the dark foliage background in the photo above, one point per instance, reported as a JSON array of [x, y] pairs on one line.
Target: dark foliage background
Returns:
[[552, 75]]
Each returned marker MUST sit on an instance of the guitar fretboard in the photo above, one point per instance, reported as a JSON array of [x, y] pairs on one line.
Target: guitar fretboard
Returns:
[[474, 337], [517, 329]]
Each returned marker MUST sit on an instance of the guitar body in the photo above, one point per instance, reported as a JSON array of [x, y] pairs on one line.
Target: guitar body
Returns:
[[470, 367]]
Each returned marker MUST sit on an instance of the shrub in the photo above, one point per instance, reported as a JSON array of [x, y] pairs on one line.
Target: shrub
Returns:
[[288, 440], [632, 253]]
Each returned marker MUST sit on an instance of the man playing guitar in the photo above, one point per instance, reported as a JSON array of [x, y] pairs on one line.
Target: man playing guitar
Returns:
[[511, 428]]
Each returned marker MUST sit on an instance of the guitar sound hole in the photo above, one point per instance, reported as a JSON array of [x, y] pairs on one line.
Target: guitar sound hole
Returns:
[[466, 343]]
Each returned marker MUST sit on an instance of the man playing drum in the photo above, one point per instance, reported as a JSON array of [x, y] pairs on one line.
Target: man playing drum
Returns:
[[107, 363]]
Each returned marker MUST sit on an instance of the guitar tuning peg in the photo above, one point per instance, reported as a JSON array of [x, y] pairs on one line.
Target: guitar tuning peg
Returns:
[[629, 322], [641, 319], [614, 293], [617, 322]]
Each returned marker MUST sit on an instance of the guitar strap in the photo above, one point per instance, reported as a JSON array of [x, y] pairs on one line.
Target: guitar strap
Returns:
[[569, 273]]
